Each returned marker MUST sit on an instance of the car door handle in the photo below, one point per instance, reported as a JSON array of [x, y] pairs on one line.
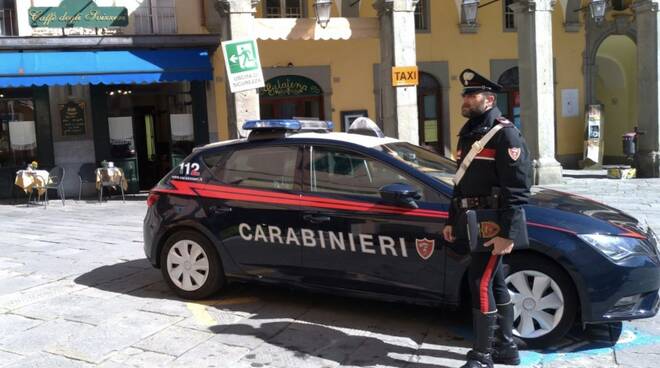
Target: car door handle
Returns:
[[219, 210], [316, 219]]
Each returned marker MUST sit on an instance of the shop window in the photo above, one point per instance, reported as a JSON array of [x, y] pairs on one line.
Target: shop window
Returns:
[[155, 16], [422, 16], [291, 96], [8, 25], [509, 16], [284, 9], [18, 134]]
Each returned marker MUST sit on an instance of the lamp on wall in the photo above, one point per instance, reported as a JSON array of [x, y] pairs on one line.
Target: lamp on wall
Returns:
[[470, 11], [322, 9], [597, 9]]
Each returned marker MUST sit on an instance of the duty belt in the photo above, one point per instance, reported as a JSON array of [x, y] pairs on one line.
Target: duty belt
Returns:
[[469, 203]]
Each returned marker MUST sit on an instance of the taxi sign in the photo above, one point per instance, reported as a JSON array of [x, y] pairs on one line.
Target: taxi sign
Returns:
[[405, 76], [242, 65]]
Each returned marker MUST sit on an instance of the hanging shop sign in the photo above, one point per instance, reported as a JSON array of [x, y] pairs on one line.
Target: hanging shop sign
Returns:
[[405, 76], [290, 86], [78, 13], [73, 118], [243, 65]]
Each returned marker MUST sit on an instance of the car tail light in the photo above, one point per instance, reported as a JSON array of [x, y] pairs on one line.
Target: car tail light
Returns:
[[152, 198]]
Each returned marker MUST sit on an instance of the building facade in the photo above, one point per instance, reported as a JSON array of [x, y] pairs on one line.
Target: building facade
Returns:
[[569, 74], [555, 59], [83, 82]]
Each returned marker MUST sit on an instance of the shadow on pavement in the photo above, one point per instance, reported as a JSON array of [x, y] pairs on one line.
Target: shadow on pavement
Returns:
[[316, 320], [306, 340]]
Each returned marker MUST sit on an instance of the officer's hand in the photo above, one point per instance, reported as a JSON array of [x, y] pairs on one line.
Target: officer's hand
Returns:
[[500, 245], [448, 233]]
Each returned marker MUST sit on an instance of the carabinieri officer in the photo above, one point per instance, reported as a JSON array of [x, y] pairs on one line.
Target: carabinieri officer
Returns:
[[498, 177]]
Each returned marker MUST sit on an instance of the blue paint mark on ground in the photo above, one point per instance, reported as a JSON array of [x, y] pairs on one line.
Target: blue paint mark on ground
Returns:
[[630, 337]]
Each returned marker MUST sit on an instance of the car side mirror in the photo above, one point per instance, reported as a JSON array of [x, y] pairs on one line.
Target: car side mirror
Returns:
[[400, 194]]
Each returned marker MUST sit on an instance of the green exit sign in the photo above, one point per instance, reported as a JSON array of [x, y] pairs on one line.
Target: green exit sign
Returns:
[[78, 13]]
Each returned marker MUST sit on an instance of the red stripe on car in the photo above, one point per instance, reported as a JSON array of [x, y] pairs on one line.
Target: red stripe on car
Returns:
[[263, 196]]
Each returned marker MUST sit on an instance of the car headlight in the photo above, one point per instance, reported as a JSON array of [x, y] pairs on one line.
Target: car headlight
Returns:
[[616, 247]]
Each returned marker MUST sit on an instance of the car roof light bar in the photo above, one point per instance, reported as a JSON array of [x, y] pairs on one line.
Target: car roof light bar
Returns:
[[288, 125]]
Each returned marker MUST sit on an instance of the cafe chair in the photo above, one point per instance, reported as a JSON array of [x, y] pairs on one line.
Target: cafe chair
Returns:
[[56, 181], [108, 182], [86, 175]]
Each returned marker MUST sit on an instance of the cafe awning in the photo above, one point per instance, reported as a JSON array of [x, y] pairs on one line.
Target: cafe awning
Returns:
[[38, 68]]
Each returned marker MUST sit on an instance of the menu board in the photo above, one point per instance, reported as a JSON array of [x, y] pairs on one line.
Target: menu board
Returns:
[[73, 118]]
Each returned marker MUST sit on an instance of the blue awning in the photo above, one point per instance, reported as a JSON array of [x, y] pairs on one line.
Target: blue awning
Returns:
[[28, 68]]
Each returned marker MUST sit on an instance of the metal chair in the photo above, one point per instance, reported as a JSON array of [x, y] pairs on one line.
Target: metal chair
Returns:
[[86, 175], [56, 181]]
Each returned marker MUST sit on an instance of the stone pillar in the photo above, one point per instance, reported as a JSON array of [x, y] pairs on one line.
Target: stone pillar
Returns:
[[648, 46], [397, 48], [238, 16], [537, 95]]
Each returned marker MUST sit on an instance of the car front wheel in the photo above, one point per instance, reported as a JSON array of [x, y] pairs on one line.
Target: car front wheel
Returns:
[[191, 266], [544, 298]]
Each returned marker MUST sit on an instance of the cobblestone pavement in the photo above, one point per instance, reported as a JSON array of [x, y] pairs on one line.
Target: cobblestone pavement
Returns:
[[76, 291]]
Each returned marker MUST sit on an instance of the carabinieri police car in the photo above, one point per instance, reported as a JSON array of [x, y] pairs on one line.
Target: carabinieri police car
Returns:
[[362, 215]]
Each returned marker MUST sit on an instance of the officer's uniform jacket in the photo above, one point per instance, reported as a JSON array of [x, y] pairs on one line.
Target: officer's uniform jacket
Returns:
[[504, 164]]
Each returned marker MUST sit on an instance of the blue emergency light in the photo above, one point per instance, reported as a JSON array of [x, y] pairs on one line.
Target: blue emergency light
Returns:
[[288, 125]]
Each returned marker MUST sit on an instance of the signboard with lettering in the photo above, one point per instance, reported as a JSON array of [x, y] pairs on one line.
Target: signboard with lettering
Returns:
[[405, 76], [289, 86], [73, 118], [78, 13], [243, 65]]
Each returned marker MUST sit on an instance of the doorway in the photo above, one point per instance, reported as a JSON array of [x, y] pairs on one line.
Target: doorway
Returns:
[[428, 110], [508, 101], [150, 130]]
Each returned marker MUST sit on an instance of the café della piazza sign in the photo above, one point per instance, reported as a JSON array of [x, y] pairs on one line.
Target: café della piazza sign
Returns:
[[78, 13]]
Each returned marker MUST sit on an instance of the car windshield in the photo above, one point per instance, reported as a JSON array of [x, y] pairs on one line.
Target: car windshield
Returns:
[[431, 163]]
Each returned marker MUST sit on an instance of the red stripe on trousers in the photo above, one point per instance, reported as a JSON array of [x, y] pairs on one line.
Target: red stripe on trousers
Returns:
[[483, 285]]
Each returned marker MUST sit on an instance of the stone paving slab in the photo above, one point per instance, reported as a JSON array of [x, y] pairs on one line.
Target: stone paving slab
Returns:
[[88, 298]]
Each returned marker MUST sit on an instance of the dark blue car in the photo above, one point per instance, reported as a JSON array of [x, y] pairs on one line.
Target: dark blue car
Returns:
[[362, 216]]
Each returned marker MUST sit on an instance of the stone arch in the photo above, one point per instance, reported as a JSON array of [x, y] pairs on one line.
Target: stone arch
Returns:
[[616, 89], [596, 34], [571, 15]]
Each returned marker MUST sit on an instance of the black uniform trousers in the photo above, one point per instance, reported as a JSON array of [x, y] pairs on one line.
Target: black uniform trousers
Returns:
[[487, 285]]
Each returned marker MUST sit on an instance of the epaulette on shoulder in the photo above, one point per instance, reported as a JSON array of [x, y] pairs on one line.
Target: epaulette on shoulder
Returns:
[[504, 121]]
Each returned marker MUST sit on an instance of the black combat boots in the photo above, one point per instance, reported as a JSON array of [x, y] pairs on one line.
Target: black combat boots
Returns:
[[505, 350], [484, 329]]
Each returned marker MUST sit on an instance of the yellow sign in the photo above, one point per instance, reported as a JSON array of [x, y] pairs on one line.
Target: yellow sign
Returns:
[[405, 76]]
